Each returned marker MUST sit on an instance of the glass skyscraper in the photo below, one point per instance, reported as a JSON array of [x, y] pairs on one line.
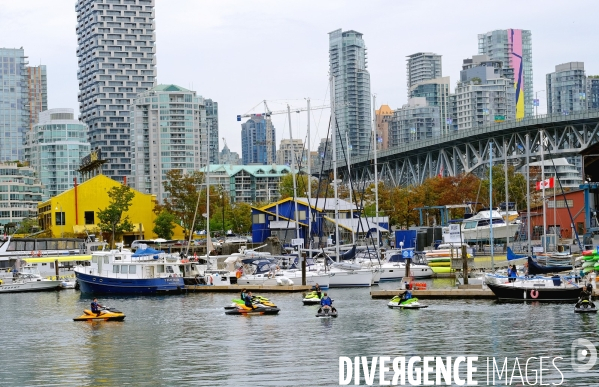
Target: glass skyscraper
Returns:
[[348, 65], [513, 47], [23, 94], [116, 62], [566, 89], [212, 126], [253, 141], [54, 149], [422, 66]]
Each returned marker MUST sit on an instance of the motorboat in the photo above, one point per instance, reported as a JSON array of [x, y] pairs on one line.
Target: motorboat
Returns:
[[411, 303], [477, 228], [261, 271], [119, 271], [326, 312], [68, 284], [394, 267], [535, 288], [28, 282], [259, 309], [104, 314]]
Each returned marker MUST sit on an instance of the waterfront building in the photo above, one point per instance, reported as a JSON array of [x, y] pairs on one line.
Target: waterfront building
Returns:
[[422, 66], [54, 149], [23, 94], [254, 144], [568, 174], [292, 148], [348, 65], [484, 94], [566, 89], [168, 131], [20, 191], [75, 212], [383, 116], [116, 55], [212, 127], [436, 92], [249, 183], [228, 157], [513, 47], [414, 121]]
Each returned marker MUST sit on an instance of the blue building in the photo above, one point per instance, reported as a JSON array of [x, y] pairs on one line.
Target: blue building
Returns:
[[255, 142], [278, 220]]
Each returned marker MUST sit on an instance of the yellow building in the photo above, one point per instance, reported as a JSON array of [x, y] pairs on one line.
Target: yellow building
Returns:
[[74, 213]]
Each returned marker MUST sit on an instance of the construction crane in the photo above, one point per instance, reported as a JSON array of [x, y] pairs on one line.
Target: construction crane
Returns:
[[269, 129]]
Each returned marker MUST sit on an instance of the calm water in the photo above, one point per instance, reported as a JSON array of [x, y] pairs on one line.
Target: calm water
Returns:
[[188, 340]]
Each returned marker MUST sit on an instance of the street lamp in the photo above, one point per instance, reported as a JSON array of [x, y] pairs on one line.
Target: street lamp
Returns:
[[61, 219]]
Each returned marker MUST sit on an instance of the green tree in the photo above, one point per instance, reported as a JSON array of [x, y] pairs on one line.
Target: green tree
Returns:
[[241, 215], [164, 224], [286, 185], [182, 199], [111, 218], [28, 226]]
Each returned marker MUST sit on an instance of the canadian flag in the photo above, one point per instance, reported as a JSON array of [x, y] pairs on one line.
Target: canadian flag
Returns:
[[547, 183]]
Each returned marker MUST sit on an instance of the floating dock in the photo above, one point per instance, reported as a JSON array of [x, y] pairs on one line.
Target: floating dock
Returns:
[[252, 288], [461, 294]]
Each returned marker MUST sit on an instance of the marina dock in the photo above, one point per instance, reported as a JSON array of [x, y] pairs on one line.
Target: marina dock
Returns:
[[462, 294], [253, 288]]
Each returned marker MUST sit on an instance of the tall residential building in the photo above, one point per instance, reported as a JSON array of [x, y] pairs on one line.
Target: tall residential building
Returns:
[[212, 126], [348, 66], [436, 92], [54, 149], [593, 91], [23, 94], [421, 67], [383, 117], [168, 131], [253, 140], [415, 121], [292, 148], [513, 47], [566, 89], [38, 92], [227, 157], [20, 192], [485, 93], [116, 62]]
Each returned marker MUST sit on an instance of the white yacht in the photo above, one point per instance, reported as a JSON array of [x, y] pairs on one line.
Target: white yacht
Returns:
[[28, 282], [477, 228]]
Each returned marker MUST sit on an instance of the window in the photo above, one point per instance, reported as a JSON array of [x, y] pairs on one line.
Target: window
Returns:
[[258, 218], [124, 269], [132, 269], [89, 217], [115, 269], [60, 218]]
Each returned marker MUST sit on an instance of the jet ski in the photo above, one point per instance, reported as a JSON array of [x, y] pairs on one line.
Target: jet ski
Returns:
[[410, 303], [326, 311], [312, 298], [255, 300], [585, 306], [242, 310], [106, 314]]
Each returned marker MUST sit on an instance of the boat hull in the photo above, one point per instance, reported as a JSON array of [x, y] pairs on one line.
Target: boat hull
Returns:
[[322, 279], [397, 272], [356, 278], [103, 285], [34, 286], [510, 292]]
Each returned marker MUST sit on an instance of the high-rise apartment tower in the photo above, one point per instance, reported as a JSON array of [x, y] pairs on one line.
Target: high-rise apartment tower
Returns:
[[116, 62]]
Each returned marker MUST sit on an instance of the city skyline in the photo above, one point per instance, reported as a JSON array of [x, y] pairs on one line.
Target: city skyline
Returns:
[[293, 50]]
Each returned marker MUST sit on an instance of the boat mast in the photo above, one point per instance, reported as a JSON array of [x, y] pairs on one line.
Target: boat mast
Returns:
[[208, 238], [528, 225], [296, 215], [544, 242], [376, 179], [507, 195], [309, 182], [333, 143], [351, 208], [491, 203]]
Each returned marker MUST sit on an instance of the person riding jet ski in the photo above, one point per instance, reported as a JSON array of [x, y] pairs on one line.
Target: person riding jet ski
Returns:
[[586, 295], [326, 301]]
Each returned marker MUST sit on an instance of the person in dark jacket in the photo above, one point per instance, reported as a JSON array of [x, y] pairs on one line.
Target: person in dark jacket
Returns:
[[586, 294], [318, 291], [248, 300], [96, 308]]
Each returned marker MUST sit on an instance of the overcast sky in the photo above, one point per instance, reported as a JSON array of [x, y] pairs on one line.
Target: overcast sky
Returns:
[[241, 52]]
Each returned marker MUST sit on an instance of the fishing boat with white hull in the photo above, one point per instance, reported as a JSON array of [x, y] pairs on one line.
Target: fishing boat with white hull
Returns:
[[28, 282], [120, 271]]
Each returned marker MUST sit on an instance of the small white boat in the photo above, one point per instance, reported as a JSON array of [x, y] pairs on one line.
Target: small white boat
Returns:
[[67, 284], [28, 282]]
